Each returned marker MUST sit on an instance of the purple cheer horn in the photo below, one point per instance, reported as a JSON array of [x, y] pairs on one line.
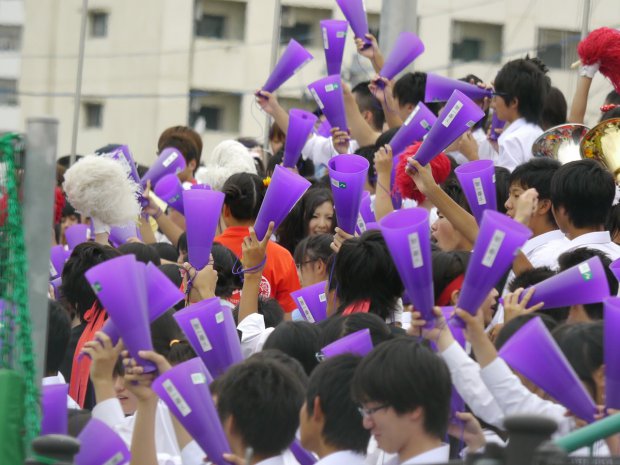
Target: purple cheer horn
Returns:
[[585, 283], [366, 214], [77, 234], [327, 93], [334, 35], [54, 419], [185, 390], [302, 456], [123, 156], [58, 257], [459, 115], [201, 186], [440, 89], [415, 127], [499, 240], [293, 58], [169, 161], [284, 191], [312, 302], [407, 48], [170, 190], [101, 445], [533, 352], [611, 322], [615, 268], [407, 234], [457, 332], [324, 129], [120, 284], [211, 331], [496, 123], [347, 175], [355, 12], [121, 234], [202, 215], [300, 125], [358, 343], [56, 285], [477, 179]]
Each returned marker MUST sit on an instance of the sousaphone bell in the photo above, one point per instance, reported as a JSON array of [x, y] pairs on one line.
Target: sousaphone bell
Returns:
[[560, 143], [602, 143]]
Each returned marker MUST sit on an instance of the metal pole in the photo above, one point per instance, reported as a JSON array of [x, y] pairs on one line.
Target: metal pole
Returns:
[[275, 45], [39, 180], [396, 16], [585, 21], [78, 81]]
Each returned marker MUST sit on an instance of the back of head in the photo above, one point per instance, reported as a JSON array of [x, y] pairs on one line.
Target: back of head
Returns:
[[586, 190], [330, 384], [502, 187], [317, 247], [143, 252], [453, 188], [613, 97], [243, 194], [405, 375], [410, 88], [338, 326], [224, 261], [514, 325], [447, 266], [164, 331], [227, 158], [272, 394], [368, 102], [185, 140], [289, 362], [58, 335], [554, 110], [299, 339], [532, 277], [166, 251]]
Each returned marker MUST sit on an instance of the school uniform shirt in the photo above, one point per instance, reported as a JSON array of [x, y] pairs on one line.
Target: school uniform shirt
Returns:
[[515, 143], [376, 456], [279, 275], [277, 460], [253, 334], [342, 457], [600, 240], [439, 454], [320, 150]]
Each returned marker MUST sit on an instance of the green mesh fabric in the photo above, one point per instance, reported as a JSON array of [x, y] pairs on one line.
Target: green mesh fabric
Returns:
[[16, 352]]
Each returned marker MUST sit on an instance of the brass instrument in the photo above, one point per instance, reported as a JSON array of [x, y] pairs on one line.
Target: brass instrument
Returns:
[[602, 143], [560, 143]]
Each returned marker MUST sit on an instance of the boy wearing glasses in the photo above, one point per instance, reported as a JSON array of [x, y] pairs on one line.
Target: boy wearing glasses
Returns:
[[404, 391]]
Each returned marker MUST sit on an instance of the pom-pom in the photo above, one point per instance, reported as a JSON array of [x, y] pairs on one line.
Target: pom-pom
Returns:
[[227, 158], [440, 166], [99, 187], [603, 45]]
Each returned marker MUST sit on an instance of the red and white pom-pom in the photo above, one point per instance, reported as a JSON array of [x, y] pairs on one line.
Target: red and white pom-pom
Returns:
[[603, 46]]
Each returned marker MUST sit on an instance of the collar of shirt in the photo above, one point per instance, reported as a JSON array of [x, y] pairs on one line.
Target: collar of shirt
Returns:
[[342, 457], [598, 237], [440, 454], [512, 127], [236, 231], [277, 460], [537, 241]]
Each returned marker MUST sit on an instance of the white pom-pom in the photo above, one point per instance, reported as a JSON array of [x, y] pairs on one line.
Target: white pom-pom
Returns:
[[227, 158], [99, 187]]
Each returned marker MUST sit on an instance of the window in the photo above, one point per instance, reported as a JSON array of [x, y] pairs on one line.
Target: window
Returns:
[[218, 19], [211, 118], [8, 92], [303, 25], [98, 24], [556, 48], [476, 41], [10, 38], [214, 111], [301, 32], [93, 115], [212, 26]]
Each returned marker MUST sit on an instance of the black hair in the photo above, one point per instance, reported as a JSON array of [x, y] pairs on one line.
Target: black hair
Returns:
[[516, 323], [143, 252], [243, 194], [577, 256], [317, 247], [339, 326], [305, 166], [469, 79], [164, 330], [58, 335], [375, 279], [68, 210], [612, 97], [411, 88], [289, 362], [613, 113], [447, 266], [554, 110], [270, 308], [502, 187], [536, 173], [182, 244], [585, 190], [385, 138], [75, 288], [532, 277], [331, 384], [173, 273], [405, 375], [366, 101], [368, 152], [180, 351], [523, 80], [452, 187], [224, 261], [166, 251], [613, 221], [270, 391], [299, 339]]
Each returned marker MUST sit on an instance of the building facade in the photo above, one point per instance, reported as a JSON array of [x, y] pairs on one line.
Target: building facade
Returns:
[[11, 25]]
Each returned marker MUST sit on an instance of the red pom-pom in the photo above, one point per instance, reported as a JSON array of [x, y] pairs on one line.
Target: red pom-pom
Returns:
[[603, 45], [440, 166], [59, 204]]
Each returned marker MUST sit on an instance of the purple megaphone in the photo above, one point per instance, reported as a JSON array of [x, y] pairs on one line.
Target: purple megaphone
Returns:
[[54, 418], [202, 215], [358, 343], [415, 127], [170, 190], [372, 226], [440, 88], [312, 302], [499, 240], [334, 36], [585, 283], [211, 331], [459, 115], [496, 123], [615, 268], [347, 175], [611, 322], [327, 93], [185, 390], [407, 234], [407, 48], [284, 191], [457, 331], [77, 234], [355, 12], [161, 295], [58, 257], [533, 352], [123, 156], [293, 58], [56, 285], [300, 125], [366, 214], [302, 456], [169, 161], [324, 129], [101, 445], [120, 284], [477, 179], [121, 234], [201, 186]]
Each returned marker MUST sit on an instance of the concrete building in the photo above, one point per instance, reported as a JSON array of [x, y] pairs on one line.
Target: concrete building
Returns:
[[151, 64], [11, 22]]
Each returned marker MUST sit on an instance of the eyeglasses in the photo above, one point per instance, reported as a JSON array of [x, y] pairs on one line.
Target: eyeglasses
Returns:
[[366, 412], [300, 265], [504, 95]]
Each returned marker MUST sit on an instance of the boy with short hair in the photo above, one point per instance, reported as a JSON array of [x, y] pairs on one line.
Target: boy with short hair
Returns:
[[189, 143]]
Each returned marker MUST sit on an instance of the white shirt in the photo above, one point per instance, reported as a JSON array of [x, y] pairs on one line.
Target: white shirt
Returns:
[[440, 454], [342, 457], [479, 136], [60, 379], [600, 240], [376, 456], [320, 150], [277, 460], [253, 334], [515, 143]]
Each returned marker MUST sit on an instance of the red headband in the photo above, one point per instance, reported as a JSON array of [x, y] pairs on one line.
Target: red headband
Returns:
[[446, 294]]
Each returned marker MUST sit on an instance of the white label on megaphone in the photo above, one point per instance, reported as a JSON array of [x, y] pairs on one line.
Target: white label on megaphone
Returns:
[[415, 250], [176, 397], [219, 317], [305, 309], [322, 297], [493, 248], [482, 200], [341, 34], [116, 459], [452, 114], [412, 115], [361, 224], [170, 158], [53, 271], [199, 378], [201, 335], [317, 98], [325, 39]]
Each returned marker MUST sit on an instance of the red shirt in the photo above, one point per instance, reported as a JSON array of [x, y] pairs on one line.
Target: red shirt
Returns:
[[279, 275]]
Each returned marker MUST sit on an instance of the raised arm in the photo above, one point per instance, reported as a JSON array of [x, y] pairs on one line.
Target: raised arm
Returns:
[[580, 99], [360, 129], [269, 104], [373, 53], [383, 165]]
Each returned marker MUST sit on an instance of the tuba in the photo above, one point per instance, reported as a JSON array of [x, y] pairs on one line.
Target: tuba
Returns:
[[602, 143], [560, 142]]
